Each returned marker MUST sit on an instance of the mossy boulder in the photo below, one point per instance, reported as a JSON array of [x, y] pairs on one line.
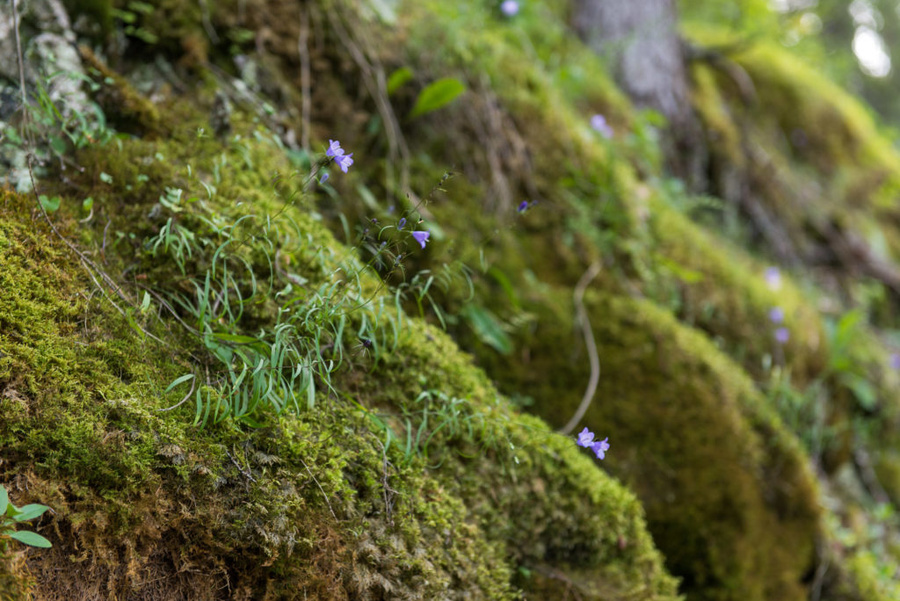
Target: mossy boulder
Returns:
[[318, 503], [724, 484]]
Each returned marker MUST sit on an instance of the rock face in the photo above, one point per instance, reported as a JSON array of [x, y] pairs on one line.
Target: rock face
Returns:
[[220, 400], [52, 69]]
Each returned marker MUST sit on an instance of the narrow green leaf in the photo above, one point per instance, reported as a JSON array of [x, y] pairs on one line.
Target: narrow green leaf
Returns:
[[58, 145], [311, 392], [31, 538], [235, 338], [437, 95], [865, 393], [4, 499], [487, 328], [178, 381]]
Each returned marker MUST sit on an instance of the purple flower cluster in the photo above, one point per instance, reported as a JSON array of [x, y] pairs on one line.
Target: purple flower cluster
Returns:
[[776, 314], [419, 236], [337, 153], [599, 447]]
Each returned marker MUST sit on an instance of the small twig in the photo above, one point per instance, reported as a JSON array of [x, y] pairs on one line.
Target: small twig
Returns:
[[582, 316], [374, 79], [327, 502], [386, 488], [869, 477], [207, 23], [815, 591], [15, 9], [244, 472]]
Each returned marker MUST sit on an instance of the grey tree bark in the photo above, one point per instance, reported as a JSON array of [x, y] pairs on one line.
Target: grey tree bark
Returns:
[[640, 40]]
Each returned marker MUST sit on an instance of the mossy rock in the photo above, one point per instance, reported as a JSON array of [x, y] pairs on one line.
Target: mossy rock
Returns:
[[724, 294], [311, 504], [729, 497]]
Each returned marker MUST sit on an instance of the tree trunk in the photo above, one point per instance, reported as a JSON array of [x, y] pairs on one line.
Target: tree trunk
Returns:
[[640, 41]]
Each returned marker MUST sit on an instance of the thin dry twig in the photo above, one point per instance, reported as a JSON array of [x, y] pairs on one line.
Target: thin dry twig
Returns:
[[582, 316], [327, 502], [243, 472]]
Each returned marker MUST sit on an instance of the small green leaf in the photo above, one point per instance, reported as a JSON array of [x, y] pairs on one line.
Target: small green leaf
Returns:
[[437, 95], [398, 78], [31, 538], [865, 393], [4, 499], [29, 512], [311, 392], [50, 205], [145, 303], [58, 145], [487, 327], [88, 203], [127, 17], [141, 7], [106, 178]]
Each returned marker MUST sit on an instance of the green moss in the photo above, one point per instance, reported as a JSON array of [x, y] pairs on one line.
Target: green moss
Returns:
[[126, 110], [727, 297], [723, 484], [135, 488], [532, 489], [722, 131], [840, 131]]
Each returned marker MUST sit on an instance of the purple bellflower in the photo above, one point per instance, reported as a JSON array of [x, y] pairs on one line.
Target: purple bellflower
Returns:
[[334, 149], [585, 438], [344, 161], [599, 125], [323, 179], [401, 223], [599, 447], [337, 153], [421, 237], [782, 335], [776, 315], [522, 206], [773, 278], [895, 360], [510, 8]]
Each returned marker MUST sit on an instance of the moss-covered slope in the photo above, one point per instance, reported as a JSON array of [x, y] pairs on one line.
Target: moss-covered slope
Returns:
[[409, 475]]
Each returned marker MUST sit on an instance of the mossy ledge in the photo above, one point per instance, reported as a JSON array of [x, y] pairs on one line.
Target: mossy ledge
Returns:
[[309, 506]]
